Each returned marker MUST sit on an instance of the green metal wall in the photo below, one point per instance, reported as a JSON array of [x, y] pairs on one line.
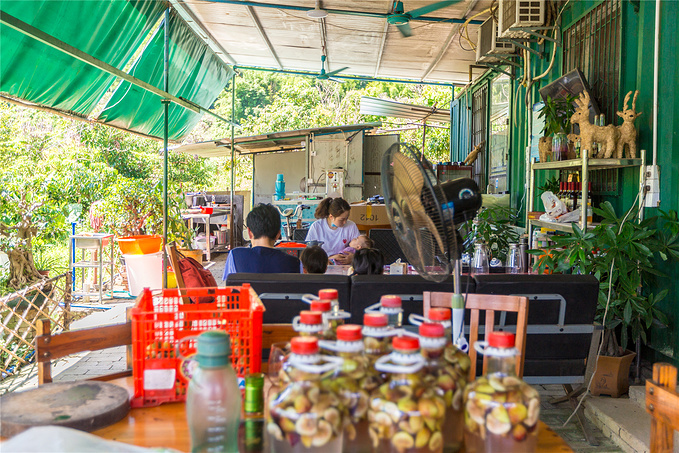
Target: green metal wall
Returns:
[[638, 34]]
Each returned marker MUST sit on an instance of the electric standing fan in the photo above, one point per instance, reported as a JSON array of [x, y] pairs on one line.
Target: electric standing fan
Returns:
[[424, 215]]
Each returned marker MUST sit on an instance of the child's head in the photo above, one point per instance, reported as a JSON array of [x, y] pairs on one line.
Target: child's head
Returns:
[[368, 262], [314, 260], [362, 242]]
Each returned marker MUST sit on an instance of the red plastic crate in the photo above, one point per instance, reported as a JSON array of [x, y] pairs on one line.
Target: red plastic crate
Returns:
[[160, 321]]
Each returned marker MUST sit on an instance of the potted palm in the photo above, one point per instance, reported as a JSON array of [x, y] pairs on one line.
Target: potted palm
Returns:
[[623, 254], [557, 115], [494, 228]]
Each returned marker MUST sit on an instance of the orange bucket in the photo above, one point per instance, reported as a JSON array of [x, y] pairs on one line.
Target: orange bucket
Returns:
[[140, 245]]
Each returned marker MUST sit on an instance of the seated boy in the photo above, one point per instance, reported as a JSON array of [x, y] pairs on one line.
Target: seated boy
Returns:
[[264, 228], [314, 260], [357, 243]]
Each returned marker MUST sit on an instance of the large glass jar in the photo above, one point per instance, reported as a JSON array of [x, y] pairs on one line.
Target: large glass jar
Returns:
[[448, 379], [310, 324], [377, 337], [350, 385], [391, 306], [405, 414], [501, 411], [333, 318], [306, 416]]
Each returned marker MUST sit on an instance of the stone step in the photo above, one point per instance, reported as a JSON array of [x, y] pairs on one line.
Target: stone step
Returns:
[[637, 394]]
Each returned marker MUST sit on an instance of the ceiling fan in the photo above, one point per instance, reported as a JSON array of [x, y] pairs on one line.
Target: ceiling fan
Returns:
[[329, 75], [402, 19]]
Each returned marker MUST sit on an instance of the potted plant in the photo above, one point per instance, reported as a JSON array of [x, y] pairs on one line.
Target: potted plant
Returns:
[[557, 114], [623, 254], [493, 226]]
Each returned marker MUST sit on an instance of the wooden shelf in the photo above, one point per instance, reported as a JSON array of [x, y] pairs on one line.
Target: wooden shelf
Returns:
[[565, 227], [593, 164]]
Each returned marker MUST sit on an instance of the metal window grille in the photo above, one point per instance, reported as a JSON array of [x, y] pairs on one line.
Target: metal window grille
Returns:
[[593, 45], [480, 132]]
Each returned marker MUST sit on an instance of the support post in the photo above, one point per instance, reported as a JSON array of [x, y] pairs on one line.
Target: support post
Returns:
[[233, 151], [166, 133]]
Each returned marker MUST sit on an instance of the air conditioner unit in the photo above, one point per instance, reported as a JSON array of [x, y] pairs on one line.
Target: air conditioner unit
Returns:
[[520, 13], [489, 44]]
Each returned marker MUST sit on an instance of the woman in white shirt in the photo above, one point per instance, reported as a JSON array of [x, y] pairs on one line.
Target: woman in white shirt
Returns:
[[334, 228]]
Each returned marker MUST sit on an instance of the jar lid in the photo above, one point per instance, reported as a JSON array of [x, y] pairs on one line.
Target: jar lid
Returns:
[[375, 320], [349, 332], [304, 345], [310, 317], [502, 340], [405, 343], [321, 305], [390, 301], [328, 294], [432, 330], [439, 314]]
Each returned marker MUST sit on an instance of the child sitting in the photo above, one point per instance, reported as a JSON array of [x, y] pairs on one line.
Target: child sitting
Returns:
[[357, 243], [314, 260]]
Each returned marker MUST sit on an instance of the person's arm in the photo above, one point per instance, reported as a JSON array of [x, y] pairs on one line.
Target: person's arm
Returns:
[[230, 267]]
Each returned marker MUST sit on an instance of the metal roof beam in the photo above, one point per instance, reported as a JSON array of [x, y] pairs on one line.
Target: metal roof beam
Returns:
[[342, 11], [39, 35], [382, 44], [262, 33]]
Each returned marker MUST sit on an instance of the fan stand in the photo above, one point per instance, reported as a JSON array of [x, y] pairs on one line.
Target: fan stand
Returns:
[[457, 301]]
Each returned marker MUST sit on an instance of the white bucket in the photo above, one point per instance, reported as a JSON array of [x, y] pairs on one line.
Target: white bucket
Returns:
[[144, 271]]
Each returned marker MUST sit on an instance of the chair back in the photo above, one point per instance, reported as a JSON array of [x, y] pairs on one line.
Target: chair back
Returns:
[[662, 402], [489, 304], [49, 347], [386, 242]]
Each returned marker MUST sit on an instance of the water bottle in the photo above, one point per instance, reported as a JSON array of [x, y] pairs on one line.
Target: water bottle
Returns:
[[213, 399], [480, 260], [514, 259], [523, 248], [280, 187]]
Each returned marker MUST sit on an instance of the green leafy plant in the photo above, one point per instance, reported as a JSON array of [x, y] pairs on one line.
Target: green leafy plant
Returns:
[[551, 185], [623, 254], [494, 227], [557, 114]]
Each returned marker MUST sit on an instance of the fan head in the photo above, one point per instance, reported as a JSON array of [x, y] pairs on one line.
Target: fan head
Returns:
[[423, 213]]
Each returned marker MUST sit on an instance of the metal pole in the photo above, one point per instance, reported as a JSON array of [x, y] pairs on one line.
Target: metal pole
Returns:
[[166, 133], [233, 150]]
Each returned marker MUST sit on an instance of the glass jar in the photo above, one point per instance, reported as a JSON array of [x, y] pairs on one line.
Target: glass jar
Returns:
[[350, 384], [310, 324], [480, 259], [405, 415], [332, 318], [514, 264], [306, 415], [501, 410], [448, 379], [391, 306]]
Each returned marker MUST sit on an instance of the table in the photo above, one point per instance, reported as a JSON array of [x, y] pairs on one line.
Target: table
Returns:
[[338, 269], [165, 426], [206, 218]]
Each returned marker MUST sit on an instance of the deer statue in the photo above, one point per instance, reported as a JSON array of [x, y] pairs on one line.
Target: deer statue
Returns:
[[607, 136], [628, 133], [474, 154]]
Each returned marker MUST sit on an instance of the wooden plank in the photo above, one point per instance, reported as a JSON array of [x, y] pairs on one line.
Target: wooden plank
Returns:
[[52, 347], [662, 402]]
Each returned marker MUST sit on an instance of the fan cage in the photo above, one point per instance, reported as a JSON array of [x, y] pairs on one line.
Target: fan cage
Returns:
[[520, 13], [489, 43]]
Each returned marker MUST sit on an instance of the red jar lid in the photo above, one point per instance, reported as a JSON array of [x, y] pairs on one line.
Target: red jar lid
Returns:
[[390, 301], [321, 305], [432, 330], [304, 345], [375, 320], [439, 314], [349, 332], [310, 317], [405, 343], [501, 339], [328, 294]]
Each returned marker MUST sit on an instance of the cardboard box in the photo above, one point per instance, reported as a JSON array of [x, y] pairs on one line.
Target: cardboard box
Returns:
[[365, 214], [398, 269]]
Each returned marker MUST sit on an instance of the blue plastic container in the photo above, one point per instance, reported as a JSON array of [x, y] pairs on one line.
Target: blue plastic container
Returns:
[[280, 187]]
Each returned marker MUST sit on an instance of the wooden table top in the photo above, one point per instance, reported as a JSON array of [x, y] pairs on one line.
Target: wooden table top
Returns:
[[165, 426]]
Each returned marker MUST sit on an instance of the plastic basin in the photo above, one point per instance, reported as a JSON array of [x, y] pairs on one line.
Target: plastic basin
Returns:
[[140, 245]]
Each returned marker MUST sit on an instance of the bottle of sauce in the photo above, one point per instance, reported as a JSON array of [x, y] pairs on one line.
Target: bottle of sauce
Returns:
[[213, 399]]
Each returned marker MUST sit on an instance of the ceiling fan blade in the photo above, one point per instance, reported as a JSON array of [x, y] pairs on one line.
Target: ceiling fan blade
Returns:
[[430, 8], [405, 29], [332, 73], [337, 80]]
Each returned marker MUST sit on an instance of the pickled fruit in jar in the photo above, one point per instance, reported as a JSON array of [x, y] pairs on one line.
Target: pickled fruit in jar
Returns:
[[310, 323], [390, 305], [377, 337], [333, 317], [405, 415], [307, 416], [501, 410], [448, 378]]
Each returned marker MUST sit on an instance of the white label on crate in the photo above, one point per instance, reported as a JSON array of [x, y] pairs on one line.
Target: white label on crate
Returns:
[[162, 379]]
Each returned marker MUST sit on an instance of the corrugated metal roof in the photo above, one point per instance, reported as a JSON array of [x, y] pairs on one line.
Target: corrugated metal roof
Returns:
[[387, 107]]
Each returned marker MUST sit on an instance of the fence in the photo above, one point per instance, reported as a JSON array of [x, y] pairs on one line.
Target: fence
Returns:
[[20, 312]]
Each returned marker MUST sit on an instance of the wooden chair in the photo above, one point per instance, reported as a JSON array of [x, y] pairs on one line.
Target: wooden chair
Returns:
[[49, 347], [490, 304], [662, 402]]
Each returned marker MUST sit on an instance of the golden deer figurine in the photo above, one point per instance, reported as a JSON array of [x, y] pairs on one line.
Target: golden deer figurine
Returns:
[[607, 136], [471, 158], [628, 133]]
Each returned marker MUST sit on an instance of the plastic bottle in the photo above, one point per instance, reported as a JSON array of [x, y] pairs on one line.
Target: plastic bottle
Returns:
[[213, 400], [391, 306], [306, 415], [501, 410], [310, 323], [332, 319], [377, 343], [280, 187]]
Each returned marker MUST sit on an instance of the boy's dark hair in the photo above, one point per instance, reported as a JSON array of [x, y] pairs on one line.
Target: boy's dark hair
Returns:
[[264, 220], [368, 262], [314, 259]]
